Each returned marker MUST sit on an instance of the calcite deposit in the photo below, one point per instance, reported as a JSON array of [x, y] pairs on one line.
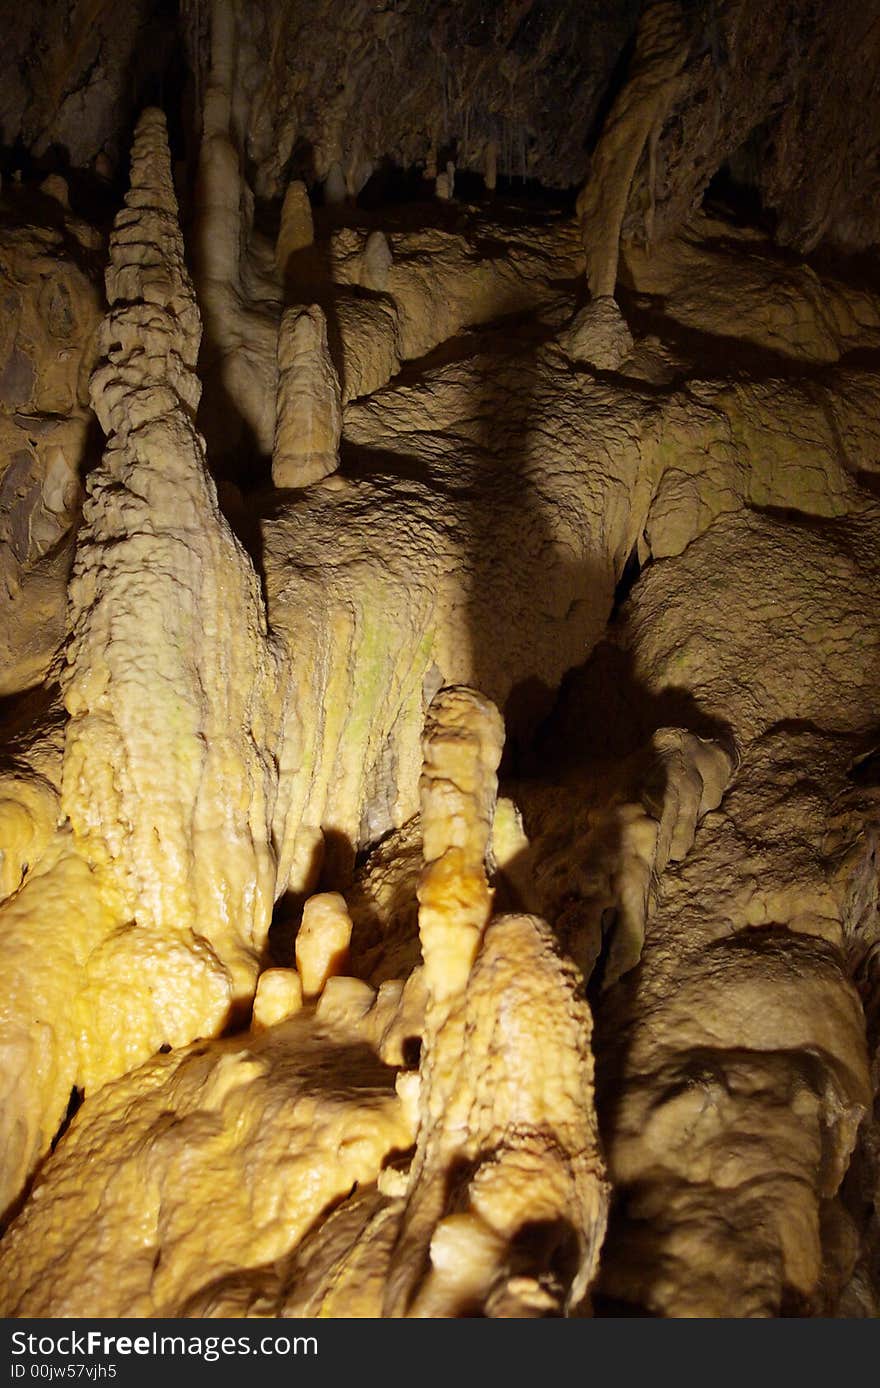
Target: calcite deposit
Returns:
[[439, 662]]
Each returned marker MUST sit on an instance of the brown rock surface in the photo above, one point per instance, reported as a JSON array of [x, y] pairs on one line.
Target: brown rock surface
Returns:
[[51, 308], [439, 806]]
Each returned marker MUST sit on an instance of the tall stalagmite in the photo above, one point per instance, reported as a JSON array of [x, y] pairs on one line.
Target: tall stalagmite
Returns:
[[168, 778], [486, 600], [507, 1148], [165, 865]]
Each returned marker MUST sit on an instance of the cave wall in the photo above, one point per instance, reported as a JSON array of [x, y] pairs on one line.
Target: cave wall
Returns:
[[783, 98], [439, 706]]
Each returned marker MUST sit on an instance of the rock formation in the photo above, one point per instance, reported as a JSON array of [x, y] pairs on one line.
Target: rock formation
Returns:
[[522, 1237], [439, 721], [184, 834], [167, 785], [635, 120], [523, 1149], [308, 415]]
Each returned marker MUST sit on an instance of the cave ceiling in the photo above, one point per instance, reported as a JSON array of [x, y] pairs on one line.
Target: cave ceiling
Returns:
[[439, 659]]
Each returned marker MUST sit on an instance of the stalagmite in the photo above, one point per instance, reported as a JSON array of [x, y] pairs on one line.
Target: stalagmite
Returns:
[[598, 335], [377, 262], [462, 743], [322, 942], [518, 1148], [169, 687], [297, 230], [444, 184], [165, 867], [335, 189], [279, 995], [308, 423]]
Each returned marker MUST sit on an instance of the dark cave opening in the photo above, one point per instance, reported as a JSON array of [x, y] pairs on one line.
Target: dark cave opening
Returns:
[[629, 577], [392, 185], [734, 190]]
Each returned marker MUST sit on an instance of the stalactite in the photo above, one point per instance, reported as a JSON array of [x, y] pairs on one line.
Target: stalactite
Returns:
[[660, 55]]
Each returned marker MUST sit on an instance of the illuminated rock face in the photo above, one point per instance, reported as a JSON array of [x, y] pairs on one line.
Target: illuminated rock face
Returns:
[[167, 781], [271, 1130], [604, 1042], [308, 422]]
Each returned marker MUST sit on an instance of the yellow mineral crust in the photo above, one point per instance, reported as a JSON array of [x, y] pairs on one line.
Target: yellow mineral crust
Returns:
[[338, 1270], [168, 780], [29, 813], [507, 1204], [507, 1144], [279, 995], [198, 1165], [463, 739], [49, 929], [291, 1170]]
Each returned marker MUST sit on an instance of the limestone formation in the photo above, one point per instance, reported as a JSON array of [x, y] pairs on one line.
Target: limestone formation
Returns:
[[167, 784], [171, 790], [279, 995], [444, 183], [238, 356], [322, 941], [635, 121], [297, 231], [377, 262], [308, 422], [524, 1241], [439, 751], [47, 348], [526, 1154], [598, 336], [771, 91], [462, 749], [335, 189], [262, 1095]]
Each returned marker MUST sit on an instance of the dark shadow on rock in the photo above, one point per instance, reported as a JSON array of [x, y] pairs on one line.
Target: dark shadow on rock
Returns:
[[603, 711], [309, 279], [231, 444], [330, 870], [374, 464], [499, 489]]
